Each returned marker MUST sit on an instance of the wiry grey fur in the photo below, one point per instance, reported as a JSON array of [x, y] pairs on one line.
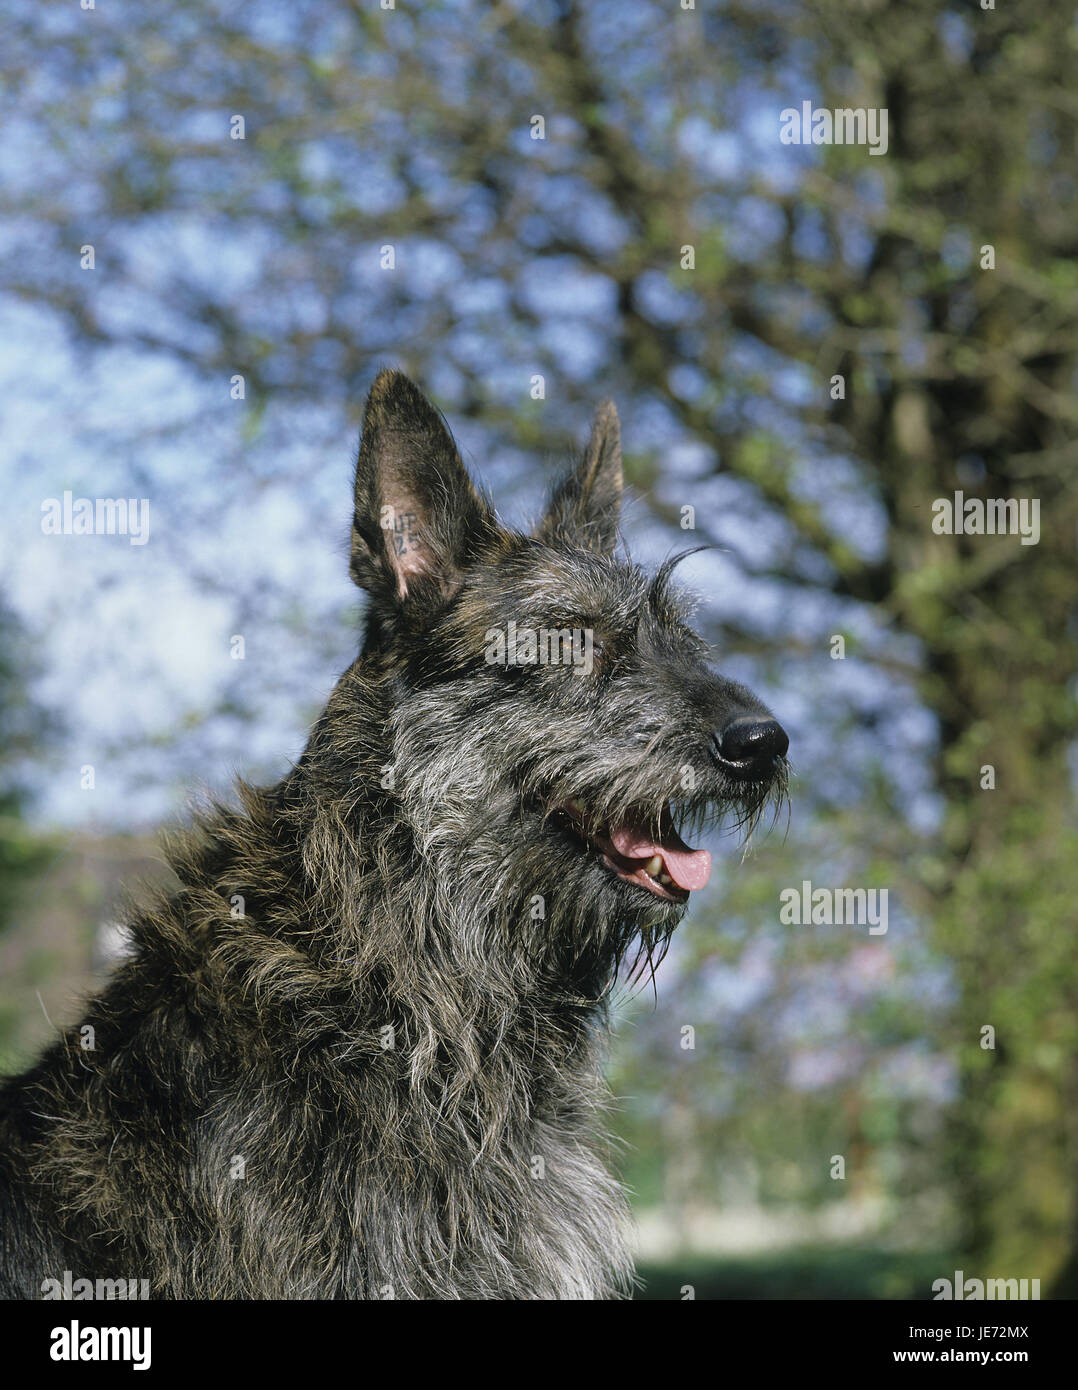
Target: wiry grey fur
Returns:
[[382, 1080]]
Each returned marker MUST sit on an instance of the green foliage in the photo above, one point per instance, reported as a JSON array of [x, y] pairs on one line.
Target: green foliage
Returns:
[[807, 1273], [23, 729]]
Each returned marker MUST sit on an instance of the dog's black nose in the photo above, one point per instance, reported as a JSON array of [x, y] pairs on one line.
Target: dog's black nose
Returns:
[[751, 745]]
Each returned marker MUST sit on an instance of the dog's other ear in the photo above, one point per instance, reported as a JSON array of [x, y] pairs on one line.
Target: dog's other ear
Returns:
[[586, 505], [418, 517]]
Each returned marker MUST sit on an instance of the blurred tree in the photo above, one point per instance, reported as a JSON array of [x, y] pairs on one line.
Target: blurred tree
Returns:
[[597, 194], [24, 728]]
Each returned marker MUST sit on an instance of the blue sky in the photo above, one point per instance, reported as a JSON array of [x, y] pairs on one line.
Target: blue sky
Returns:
[[249, 506]]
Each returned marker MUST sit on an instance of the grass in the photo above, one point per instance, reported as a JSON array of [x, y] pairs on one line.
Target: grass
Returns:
[[827, 1272]]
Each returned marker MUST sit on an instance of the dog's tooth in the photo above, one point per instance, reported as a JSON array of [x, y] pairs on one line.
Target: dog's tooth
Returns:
[[665, 878], [654, 865]]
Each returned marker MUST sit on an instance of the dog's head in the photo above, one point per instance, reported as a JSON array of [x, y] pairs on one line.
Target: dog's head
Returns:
[[555, 726]]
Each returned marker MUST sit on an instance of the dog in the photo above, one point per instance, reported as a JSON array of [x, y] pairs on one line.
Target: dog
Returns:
[[356, 1054]]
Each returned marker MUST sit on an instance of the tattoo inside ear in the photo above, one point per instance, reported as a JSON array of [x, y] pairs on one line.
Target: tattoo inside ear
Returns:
[[402, 534]]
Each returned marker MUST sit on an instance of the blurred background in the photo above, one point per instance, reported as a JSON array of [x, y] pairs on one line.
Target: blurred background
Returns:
[[222, 218]]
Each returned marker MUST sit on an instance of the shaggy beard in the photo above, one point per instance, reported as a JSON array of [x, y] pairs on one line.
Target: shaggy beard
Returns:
[[521, 888]]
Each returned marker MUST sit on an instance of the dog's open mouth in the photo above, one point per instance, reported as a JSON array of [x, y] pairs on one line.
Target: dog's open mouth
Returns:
[[655, 858]]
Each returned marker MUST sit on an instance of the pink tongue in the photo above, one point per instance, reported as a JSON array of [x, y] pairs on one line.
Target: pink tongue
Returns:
[[689, 868]]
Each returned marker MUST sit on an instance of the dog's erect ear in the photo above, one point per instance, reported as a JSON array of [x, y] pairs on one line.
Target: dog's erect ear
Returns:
[[586, 505], [418, 518]]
